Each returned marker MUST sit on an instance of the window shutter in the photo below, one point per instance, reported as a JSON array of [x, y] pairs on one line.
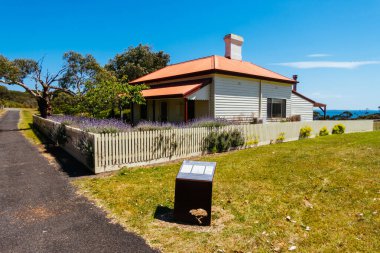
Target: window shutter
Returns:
[[283, 111], [269, 108]]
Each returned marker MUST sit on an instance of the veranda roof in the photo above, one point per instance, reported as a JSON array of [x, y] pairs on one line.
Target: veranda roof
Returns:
[[173, 91]]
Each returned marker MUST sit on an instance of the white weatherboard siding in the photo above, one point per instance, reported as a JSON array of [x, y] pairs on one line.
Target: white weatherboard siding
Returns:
[[202, 94], [270, 90], [236, 97], [302, 107]]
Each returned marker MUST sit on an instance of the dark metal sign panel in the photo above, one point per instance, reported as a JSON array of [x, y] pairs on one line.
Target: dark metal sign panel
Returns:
[[196, 170]]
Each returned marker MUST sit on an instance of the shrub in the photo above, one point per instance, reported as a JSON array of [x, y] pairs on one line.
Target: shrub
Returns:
[[208, 122], [324, 131], [280, 137], [223, 141], [237, 138], [338, 129], [293, 118], [211, 141], [305, 132]]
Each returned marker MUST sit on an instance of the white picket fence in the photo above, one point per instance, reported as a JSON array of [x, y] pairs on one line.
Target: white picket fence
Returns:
[[134, 148]]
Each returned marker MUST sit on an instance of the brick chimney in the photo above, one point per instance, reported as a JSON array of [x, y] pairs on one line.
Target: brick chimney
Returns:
[[233, 46], [295, 77]]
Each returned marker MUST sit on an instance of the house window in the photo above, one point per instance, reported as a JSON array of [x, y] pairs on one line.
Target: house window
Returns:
[[276, 108], [143, 112]]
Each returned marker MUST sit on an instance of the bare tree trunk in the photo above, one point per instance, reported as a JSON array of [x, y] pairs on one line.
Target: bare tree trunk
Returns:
[[44, 105]]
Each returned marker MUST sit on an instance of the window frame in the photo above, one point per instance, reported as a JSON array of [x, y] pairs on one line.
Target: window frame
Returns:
[[270, 102]]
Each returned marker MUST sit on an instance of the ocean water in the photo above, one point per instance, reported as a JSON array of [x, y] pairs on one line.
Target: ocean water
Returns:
[[356, 113]]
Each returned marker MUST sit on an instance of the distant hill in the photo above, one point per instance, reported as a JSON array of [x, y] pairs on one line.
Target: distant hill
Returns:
[[16, 99]]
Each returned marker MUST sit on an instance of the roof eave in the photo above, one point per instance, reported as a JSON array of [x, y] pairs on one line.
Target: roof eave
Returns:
[[315, 104]]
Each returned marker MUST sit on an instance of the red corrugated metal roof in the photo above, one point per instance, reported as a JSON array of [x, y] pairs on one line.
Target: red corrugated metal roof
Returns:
[[212, 64], [179, 90]]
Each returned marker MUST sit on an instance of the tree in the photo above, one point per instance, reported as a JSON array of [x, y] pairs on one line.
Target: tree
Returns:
[[107, 92], [71, 77], [343, 116], [18, 71], [80, 70], [136, 62]]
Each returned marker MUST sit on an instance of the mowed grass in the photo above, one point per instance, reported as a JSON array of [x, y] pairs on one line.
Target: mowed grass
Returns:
[[330, 184], [26, 126]]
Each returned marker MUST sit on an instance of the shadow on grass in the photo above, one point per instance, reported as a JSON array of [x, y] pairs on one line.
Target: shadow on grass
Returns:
[[67, 164], [164, 213]]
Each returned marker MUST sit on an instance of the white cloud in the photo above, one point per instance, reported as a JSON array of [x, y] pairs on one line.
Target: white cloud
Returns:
[[327, 64], [318, 55]]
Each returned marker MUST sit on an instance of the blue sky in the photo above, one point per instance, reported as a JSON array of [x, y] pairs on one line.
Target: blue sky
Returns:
[[333, 45]]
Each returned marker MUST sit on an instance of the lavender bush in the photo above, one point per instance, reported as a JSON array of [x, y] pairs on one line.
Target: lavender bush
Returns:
[[114, 125], [93, 125]]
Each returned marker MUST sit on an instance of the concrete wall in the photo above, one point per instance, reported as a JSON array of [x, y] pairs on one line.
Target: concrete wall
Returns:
[[75, 135]]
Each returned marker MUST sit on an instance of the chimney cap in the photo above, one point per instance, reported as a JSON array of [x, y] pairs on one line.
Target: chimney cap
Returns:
[[234, 37]]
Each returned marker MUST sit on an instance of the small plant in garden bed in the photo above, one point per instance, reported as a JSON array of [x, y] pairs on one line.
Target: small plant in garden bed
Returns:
[[280, 138], [305, 132], [324, 131], [252, 140], [338, 129]]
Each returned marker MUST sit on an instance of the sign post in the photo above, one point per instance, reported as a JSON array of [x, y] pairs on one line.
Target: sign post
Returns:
[[193, 192]]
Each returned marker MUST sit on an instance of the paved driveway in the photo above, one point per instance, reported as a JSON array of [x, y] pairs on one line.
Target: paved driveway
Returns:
[[39, 210]]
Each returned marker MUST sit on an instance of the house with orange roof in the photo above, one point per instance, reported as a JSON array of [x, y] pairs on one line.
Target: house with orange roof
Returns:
[[221, 87]]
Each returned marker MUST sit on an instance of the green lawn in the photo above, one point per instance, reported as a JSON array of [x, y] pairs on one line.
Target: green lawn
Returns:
[[330, 184], [26, 126]]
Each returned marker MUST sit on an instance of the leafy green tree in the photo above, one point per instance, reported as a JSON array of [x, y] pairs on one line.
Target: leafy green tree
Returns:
[[63, 103], [108, 93], [80, 70], [136, 62]]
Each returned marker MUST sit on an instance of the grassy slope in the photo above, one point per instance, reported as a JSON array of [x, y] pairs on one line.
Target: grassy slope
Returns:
[[26, 126], [339, 175]]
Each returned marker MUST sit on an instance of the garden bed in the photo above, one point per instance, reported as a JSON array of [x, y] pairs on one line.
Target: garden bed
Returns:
[[115, 125]]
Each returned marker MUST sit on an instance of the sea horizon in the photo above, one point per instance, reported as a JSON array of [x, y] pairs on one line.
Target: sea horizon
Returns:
[[355, 113]]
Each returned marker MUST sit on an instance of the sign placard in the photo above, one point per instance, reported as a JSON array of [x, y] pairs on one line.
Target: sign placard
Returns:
[[196, 170]]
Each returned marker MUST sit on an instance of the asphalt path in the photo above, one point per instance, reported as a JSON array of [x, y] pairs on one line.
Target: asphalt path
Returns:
[[39, 209]]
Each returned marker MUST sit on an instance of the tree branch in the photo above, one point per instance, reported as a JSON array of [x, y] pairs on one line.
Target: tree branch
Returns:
[[63, 89], [23, 86]]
